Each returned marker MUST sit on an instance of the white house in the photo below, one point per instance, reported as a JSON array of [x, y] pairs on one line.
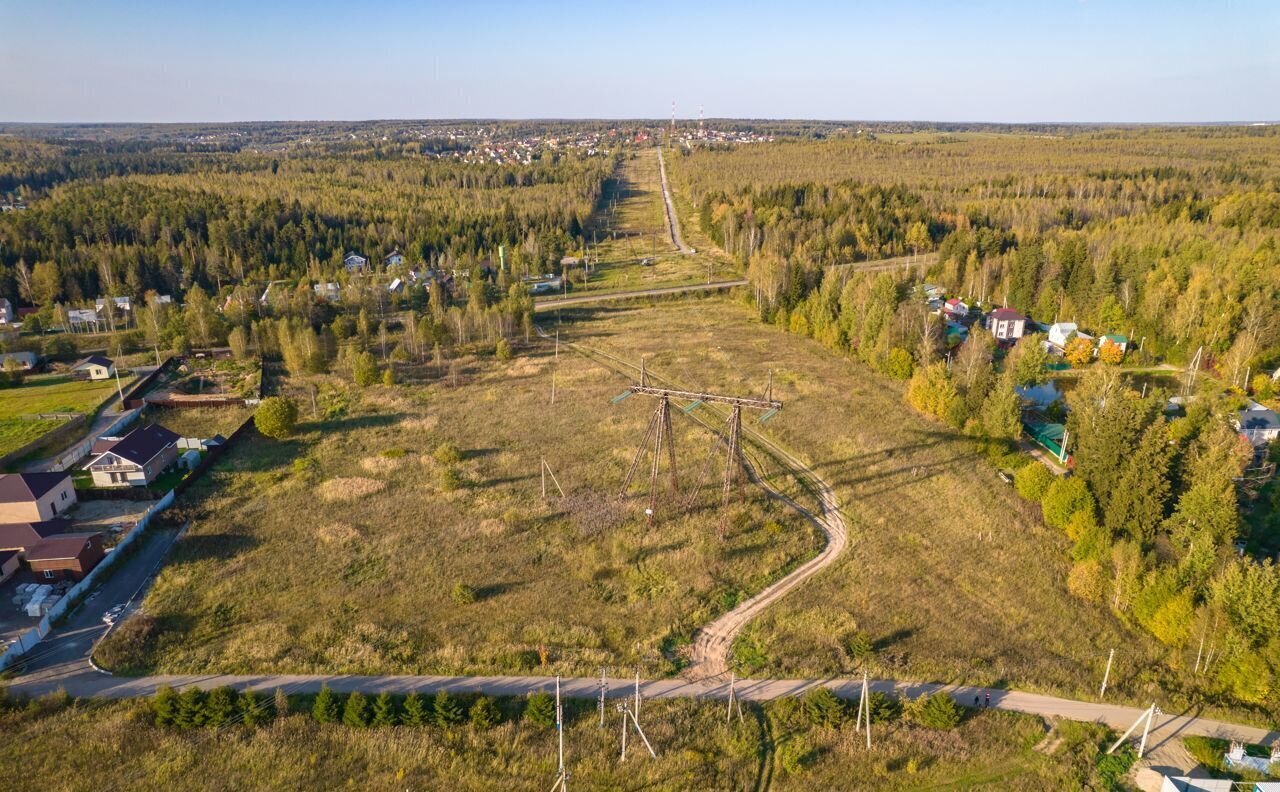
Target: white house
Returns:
[[135, 459], [354, 262], [97, 367], [1006, 324], [1259, 425], [1060, 333], [394, 259], [120, 309], [85, 320], [955, 308], [25, 360], [6, 312], [330, 292]]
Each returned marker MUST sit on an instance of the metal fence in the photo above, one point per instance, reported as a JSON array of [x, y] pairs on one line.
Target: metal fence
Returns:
[[28, 640]]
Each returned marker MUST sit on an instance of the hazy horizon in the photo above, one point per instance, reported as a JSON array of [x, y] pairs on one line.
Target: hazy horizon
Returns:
[[990, 61]]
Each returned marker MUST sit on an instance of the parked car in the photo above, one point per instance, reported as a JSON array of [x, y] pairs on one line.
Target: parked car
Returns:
[[112, 615]]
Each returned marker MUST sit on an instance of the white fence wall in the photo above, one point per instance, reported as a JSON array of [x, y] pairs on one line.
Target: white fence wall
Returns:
[[32, 637], [81, 449]]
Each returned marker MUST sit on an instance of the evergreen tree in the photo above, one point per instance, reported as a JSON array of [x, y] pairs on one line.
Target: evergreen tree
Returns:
[[356, 711], [252, 709], [325, 707], [164, 706], [445, 710], [824, 708], [280, 703], [415, 711], [540, 709], [384, 710], [190, 713], [1002, 411], [484, 714], [219, 707], [1140, 496], [364, 369]]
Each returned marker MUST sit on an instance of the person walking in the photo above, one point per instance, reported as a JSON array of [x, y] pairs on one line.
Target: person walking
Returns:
[[988, 699]]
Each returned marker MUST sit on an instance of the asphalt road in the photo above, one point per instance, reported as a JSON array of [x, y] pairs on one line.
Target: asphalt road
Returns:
[[64, 654]]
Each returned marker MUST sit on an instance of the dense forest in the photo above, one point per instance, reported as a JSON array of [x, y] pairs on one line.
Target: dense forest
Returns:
[[1171, 237], [127, 217]]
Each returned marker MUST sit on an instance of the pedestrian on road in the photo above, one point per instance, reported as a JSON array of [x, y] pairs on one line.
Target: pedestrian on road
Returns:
[[988, 699], [976, 702]]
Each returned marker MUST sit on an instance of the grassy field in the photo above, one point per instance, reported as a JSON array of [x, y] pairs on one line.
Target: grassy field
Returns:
[[202, 422], [47, 395], [636, 228], [359, 547], [56, 395], [112, 745], [949, 576]]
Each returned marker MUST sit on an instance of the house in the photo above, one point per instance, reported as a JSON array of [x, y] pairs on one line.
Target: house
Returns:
[[394, 259], [955, 308], [68, 556], [136, 459], [1061, 332], [932, 292], [85, 320], [329, 292], [1006, 324], [25, 360], [396, 286], [1259, 425], [6, 312], [9, 564], [96, 367], [354, 262], [1115, 338], [548, 285], [116, 308], [35, 497]]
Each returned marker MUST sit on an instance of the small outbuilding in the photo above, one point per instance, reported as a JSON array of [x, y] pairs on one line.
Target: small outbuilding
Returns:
[[66, 556]]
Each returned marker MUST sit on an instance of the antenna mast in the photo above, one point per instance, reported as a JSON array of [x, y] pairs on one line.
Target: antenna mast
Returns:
[[562, 777]]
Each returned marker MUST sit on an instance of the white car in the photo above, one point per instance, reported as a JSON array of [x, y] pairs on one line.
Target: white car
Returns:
[[112, 615]]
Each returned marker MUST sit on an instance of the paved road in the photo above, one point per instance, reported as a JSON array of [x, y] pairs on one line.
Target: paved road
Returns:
[[673, 222], [89, 683], [64, 653], [583, 299]]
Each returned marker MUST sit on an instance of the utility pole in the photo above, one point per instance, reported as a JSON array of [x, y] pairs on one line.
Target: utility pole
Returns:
[[604, 688], [1107, 675], [864, 709], [1145, 719], [734, 701], [562, 777]]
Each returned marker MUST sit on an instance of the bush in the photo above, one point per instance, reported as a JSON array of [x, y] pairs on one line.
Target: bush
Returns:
[[540, 710], [502, 350], [857, 646], [484, 714], [325, 707], [447, 454], [276, 417], [364, 369], [1087, 580], [824, 708], [796, 754], [389, 376], [1032, 481], [899, 364], [883, 707], [462, 594], [1247, 677], [251, 709], [449, 479], [356, 711], [938, 711], [190, 711]]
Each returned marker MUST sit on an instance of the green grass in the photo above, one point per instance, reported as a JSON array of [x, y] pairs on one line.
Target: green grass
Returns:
[[92, 745], [17, 432], [56, 395], [346, 560]]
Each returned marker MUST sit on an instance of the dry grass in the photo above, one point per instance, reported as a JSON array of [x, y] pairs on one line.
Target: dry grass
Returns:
[[949, 574], [584, 580], [112, 745], [201, 422]]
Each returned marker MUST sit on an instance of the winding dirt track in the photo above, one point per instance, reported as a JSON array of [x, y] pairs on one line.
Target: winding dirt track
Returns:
[[711, 644]]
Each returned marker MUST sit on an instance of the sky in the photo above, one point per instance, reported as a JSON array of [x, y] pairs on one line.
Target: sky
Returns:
[[924, 60]]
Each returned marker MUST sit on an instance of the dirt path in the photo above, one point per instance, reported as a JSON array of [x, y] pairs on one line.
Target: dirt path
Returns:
[[673, 222]]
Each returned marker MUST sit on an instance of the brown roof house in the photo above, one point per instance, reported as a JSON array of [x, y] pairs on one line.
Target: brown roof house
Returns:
[[26, 497], [68, 556], [136, 459]]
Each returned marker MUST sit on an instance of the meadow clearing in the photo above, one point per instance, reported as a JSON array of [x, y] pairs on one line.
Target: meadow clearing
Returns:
[[403, 531], [43, 395], [948, 576], [94, 745]]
